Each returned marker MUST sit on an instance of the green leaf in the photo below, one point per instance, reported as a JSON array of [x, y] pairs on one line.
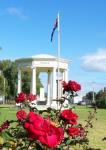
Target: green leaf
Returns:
[[38, 147], [7, 136], [68, 142], [6, 145]]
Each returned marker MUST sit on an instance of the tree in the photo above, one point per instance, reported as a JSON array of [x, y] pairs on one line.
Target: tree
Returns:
[[1, 85], [101, 99], [89, 96], [9, 72], [26, 82]]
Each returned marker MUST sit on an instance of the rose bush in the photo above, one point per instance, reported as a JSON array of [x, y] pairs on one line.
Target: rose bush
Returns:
[[48, 129]]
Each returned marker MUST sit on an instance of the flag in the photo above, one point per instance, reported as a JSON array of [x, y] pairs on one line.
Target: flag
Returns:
[[54, 28]]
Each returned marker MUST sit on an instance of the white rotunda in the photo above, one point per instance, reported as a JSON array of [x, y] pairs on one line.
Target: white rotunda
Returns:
[[44, 63]]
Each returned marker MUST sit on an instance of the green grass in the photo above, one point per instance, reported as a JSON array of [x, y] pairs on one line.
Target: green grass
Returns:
[[95, 135], [99, 127], [7, 112]]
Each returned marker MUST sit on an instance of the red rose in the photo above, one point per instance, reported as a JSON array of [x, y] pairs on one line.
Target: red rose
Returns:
[[35, 118], [5, 125], [31, 97], [74, 86], [21, 97], [53, 136], [69, 116], [74, 132], [71, 86], [77, 131], [33, 125], [21, 115], [41, 129], [65, 86]]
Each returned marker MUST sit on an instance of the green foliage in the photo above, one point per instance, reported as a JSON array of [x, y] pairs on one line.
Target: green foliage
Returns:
[[9, 72], [1, 85], [89, 96], [99, 97], [95, 135], [26, 81]]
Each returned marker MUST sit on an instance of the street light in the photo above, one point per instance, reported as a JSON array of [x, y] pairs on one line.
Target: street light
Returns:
[[93, 94]]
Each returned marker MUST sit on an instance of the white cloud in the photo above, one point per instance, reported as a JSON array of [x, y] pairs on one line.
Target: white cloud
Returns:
[[16, 11], [95, 61]]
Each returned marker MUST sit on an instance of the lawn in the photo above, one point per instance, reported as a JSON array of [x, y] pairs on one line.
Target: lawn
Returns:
[[7, 112], [99, 127], [95, 135]]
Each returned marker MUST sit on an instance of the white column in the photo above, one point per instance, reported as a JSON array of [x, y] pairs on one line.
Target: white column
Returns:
[[54, 83], [63, 76], [49, 89], [34, 81], [60, 89], [19, 80], [66, 75], [63, 79]]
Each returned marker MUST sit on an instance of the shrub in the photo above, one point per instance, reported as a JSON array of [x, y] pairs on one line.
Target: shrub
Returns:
[[48, 129]]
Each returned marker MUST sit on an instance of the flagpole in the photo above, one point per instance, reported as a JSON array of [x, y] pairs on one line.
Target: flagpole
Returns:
[[58, 57]]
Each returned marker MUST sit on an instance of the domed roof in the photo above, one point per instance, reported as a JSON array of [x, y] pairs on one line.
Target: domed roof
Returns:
[[43, 56]]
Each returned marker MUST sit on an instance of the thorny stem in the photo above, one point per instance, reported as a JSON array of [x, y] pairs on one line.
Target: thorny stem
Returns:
[[90, 117]]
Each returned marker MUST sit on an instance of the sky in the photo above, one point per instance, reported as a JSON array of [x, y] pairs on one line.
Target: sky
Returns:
[[26, 27]]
